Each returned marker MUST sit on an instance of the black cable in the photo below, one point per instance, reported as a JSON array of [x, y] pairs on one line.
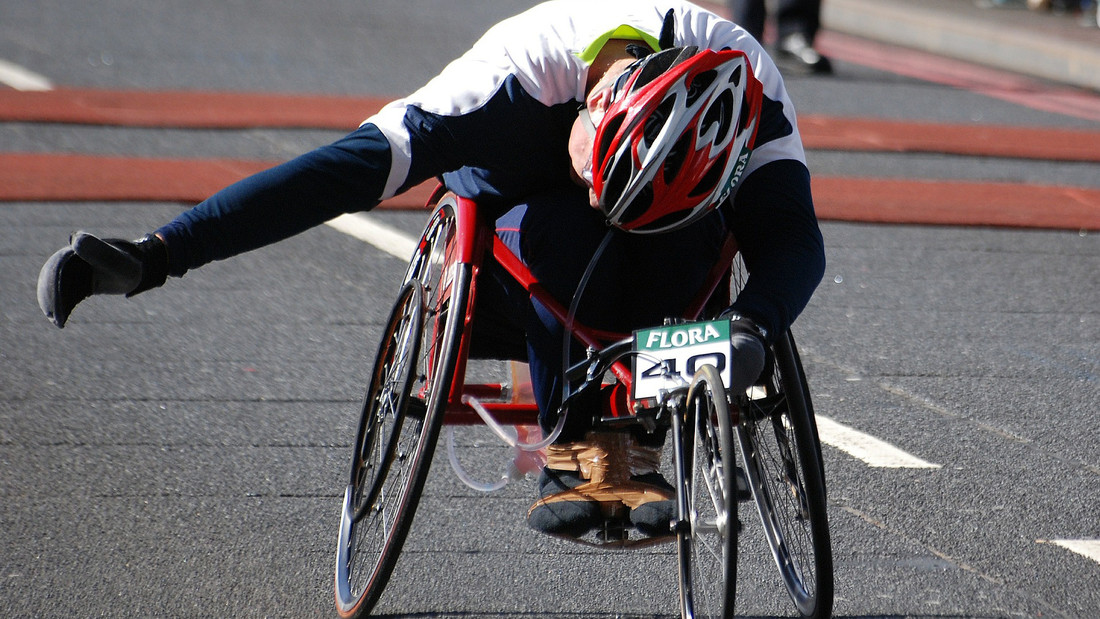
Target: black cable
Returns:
[[567, 333]]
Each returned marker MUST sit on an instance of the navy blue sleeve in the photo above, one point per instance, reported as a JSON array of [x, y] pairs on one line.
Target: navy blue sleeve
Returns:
[[779, 239]]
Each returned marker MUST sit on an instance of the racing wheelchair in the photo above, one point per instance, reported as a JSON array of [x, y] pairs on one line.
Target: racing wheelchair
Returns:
[[669, 376]]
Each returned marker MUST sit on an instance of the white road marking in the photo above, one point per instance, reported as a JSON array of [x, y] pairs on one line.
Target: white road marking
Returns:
[[872, 451], [367, 229], [875, 452], [20, 78], [1089, 548]]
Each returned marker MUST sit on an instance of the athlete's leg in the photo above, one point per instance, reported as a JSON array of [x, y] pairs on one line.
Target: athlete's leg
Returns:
[[798, 17], [559, 273], [638, 281], [750, 15]]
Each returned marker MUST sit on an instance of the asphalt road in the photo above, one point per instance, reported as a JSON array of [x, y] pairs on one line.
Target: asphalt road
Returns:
[[183, 453]]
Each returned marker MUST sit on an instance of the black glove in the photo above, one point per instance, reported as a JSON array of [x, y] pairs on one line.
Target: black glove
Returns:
[[93, 266], [751, 354]]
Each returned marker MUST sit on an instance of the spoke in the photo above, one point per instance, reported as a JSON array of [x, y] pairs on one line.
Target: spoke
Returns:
[[777, 457]]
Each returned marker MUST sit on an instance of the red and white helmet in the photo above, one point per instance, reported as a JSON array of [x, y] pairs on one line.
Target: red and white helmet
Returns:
[[675, 138]]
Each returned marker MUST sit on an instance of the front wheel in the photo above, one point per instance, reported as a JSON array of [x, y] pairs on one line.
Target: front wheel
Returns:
[[707, 547], [401, 416], [782, 457], [388, 448]]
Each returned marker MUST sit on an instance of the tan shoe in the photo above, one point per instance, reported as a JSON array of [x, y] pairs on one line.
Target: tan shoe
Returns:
[[607, 471]]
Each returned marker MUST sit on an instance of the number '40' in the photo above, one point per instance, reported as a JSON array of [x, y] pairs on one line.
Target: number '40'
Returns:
[[691, 365]]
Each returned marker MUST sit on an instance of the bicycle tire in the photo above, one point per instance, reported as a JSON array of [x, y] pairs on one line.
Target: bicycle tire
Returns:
[[707, 547], [782, 458], [374, 524]]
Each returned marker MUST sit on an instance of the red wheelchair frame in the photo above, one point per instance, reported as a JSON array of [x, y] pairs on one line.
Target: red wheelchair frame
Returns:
[[478, 241], [419, 384]]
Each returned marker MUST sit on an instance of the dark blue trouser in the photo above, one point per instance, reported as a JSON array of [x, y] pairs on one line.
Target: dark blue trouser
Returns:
[[791, 17]]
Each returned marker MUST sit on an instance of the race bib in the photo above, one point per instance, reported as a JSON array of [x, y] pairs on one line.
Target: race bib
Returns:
[[669, 356]]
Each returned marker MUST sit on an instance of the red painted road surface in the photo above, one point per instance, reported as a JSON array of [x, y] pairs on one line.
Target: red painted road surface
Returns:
[[74, 177], [222, 110], [48, 177]]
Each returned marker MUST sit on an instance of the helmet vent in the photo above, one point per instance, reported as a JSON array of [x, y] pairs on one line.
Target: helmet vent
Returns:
[[616, 181], [676, 157], [699, 86], [656, 121], [639, 206], [719, 113], [735, 77], [610, 129]]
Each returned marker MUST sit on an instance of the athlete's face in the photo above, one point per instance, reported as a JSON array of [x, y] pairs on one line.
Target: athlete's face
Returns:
[[584, 128]]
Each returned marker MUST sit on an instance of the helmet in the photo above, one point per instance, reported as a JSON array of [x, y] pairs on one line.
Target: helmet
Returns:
[[675, 138]]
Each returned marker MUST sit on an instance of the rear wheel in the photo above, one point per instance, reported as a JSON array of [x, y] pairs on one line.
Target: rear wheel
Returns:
[[707, 548], [782, 457], [401, 417]]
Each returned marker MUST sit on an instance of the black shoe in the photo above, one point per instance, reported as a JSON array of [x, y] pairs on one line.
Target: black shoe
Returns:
[[654, 518], [794, 54], [571, 516]]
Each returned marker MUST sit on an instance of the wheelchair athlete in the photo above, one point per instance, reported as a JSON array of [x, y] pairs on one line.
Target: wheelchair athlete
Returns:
[[622, 128]]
